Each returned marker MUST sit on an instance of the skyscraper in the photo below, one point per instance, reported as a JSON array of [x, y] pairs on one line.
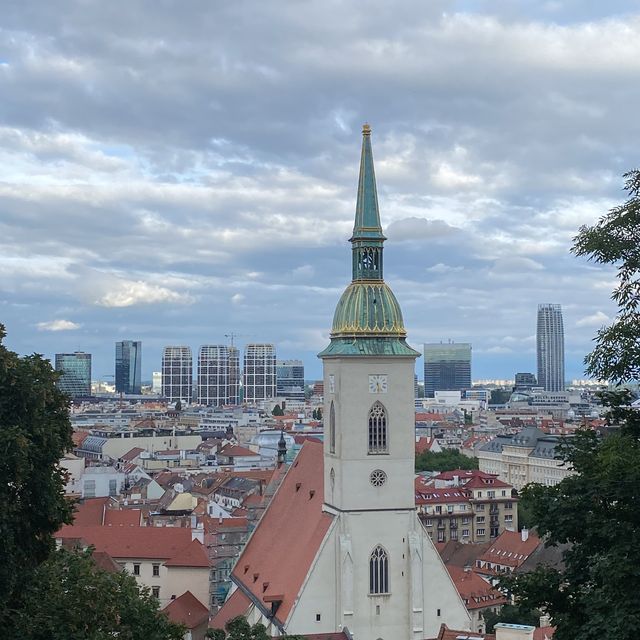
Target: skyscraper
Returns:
[[259, 372], [76, 373], [550, 347], [447, 367], [177, 374], [290, 379], [234, 375], [213, 375], [129, 367]]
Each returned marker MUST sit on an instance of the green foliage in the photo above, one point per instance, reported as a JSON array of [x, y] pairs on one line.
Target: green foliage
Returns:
[[277, 411], [239, 629], [615, 240], [35, 433], [445, 460], [179, 405], [316, 414], [511, 614], [597, 510], [72, 599]]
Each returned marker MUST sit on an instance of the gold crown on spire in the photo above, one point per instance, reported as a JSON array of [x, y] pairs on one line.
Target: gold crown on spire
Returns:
[[366, 129]]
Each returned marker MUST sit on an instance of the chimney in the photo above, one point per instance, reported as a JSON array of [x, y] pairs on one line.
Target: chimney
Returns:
[[506, 631], [524, 534]]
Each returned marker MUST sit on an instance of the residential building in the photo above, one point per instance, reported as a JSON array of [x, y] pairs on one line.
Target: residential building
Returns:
[[188, 611], [508, 552], [259, 373], [550, 347], [290, 379], [447, 367], [525, 381], [177, 374], [76, 373], [167, 560], [213, 375], [129, 367], [358, 557], [528, 456], [466, 506]]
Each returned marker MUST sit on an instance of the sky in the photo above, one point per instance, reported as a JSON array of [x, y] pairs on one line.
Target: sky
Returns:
[[174, 172]]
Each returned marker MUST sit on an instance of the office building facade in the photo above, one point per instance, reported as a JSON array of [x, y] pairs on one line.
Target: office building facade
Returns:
[[290, 379], [234, 375], [129, 367], [259, 375], [177, 374], [213, 375], [447, 367], [76, 373], [550, 347]]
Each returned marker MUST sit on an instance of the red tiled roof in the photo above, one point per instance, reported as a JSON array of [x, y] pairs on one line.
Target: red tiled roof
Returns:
[[122, 518], [237, 604], [104, 561], [131, 454], [90, 511], [235, 450], [476, 592], [78, 437], [187, 610], [509, 550], [451, 634], [488, 483], [301, 438], [543, 633], [337, 635], [463, 474], [193, 555], [160, 543], [424, 444], [277, 557]]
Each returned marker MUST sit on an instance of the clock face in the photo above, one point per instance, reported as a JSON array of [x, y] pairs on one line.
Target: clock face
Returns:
[[332, 383], [377, 383]]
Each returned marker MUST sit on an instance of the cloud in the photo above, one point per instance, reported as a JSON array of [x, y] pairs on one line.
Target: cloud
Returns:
[[58, 325], [597, 319], [443, 268], [128, 293]]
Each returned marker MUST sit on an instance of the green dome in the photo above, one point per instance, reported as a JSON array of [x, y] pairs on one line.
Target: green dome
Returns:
[[368, 309]]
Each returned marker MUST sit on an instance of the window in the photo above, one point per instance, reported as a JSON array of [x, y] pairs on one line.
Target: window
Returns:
[[378, 429], [155, 591], [318, 617], [508, 505], [465, 533], [113, 487], [480, 519], [428, 522], [378, 571], [508, 518], [89, 488], [332, 429], [504, 493], [491, 494], [465, 520], [480, 507], [156, 570], [480, 532], [136, 569]]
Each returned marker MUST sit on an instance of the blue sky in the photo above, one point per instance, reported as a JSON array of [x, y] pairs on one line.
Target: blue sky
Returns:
[[172, 172]]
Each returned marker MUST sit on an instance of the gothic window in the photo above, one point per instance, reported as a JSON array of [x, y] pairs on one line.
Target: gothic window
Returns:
[[378, 571], [378, 429], [332, 429]]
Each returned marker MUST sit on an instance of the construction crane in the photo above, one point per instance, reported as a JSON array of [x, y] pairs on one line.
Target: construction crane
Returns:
[[232, 336]]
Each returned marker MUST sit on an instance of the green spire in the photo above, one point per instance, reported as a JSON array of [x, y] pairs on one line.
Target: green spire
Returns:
[[367, 224], [367, 235]]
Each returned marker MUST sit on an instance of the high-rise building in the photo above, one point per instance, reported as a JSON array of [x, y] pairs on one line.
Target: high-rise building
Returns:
[[234, 375], [76, 373], [447, 367], [290, 379], [213, 375], [177, 374], [550, 347], [156, 382], [129, 367], [259, 375]]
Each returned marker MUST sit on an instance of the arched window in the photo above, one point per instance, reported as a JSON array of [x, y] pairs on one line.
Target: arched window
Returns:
[[332, 429], [379, 571], [378, 442]]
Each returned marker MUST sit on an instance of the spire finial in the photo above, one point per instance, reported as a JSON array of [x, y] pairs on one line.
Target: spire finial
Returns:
[[366, 129]]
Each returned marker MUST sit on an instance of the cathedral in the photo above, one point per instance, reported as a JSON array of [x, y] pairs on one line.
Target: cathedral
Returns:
[[340, 550]]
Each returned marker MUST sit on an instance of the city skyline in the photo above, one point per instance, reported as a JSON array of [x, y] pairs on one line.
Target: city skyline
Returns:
[[121, 216]]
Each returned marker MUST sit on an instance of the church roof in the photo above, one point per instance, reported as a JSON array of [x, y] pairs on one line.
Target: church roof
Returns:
[[279, 554]]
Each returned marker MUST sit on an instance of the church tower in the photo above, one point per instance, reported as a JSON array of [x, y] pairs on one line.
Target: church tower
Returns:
[[340, 547], [387, 567]]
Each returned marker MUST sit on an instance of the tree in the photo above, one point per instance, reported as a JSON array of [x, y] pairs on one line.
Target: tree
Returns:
[[71, 598], [597, 510], [239, 629], [277, 411], [35, 433], [511, 614], [445, 460]]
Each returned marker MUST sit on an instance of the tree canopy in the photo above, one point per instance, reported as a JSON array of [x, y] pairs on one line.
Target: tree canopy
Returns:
[[445, 460], [239, 629], [597, 510]]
